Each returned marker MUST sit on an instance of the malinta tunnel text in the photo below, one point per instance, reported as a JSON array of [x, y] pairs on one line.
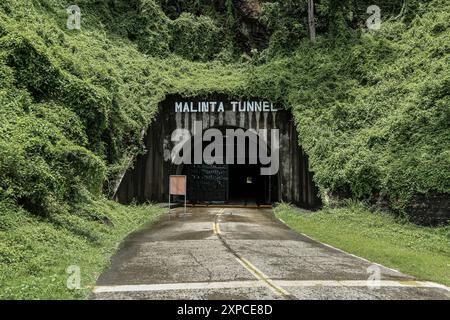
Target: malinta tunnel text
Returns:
[[219, 106]]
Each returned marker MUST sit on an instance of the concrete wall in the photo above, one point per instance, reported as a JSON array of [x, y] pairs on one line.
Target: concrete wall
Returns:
[[148, 179], [430, 210]]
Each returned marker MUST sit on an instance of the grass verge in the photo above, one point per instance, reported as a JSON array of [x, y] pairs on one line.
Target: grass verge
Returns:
[[36, 252], [419, 251]]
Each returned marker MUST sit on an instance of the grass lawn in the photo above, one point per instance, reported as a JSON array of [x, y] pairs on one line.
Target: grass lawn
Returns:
[[36, 252], [419, 251]]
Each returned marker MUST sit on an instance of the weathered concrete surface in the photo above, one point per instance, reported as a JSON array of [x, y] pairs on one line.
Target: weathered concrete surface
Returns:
[[148, 178], [235, 253]]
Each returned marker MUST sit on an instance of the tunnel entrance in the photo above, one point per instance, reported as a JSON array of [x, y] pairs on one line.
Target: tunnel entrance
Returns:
[[240, 182], [247, 186], [229, 184]]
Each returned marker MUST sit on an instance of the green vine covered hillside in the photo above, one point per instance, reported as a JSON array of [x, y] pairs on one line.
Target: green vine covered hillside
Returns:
[[372, 107]]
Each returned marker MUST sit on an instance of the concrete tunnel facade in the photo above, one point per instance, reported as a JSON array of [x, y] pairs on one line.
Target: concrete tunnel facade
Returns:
[[148, 178]]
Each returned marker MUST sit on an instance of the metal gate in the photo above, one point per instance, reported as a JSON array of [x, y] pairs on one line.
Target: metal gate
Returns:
[[207, 183]]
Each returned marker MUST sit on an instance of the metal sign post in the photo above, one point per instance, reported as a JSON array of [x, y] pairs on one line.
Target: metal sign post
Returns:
[[178, 187]]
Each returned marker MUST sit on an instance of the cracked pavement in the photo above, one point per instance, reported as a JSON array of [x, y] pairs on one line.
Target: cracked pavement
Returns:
[[243, 253]]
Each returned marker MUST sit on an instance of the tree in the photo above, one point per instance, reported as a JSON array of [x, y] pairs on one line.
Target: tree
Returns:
[[311, 22]]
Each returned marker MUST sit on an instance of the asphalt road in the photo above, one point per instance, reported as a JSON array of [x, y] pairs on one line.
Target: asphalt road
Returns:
[[236, 253]]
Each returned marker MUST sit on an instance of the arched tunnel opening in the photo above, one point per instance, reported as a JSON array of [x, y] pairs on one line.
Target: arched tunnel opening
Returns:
[[248, 174], [237, 181]]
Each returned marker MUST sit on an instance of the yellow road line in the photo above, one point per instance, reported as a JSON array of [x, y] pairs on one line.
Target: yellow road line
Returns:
[[258, 274], [216, 227]]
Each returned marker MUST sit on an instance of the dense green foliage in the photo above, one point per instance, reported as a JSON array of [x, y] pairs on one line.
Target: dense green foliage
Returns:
[[418, 251], [371, 107], [195, 38], [75, 102], [373, 113], [37, 255]]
